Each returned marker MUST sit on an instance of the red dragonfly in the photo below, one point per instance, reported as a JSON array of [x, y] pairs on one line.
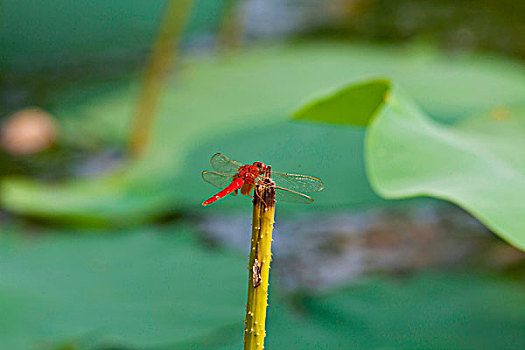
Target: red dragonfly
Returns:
[[233, 176]]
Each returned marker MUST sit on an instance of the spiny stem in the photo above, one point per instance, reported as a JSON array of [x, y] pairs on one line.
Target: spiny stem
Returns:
[[164, 52], [259, 263]]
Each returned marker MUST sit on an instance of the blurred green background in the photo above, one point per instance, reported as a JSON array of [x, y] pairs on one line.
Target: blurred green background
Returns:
[[104, 245]]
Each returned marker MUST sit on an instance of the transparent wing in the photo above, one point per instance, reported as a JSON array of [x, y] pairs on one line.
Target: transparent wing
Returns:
[[223, 164], [216, 179], [285, 195], [298, 183]]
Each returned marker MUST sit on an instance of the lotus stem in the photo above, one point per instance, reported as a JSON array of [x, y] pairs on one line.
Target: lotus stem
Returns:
[[231, 28], [259, 263], [163, 54]]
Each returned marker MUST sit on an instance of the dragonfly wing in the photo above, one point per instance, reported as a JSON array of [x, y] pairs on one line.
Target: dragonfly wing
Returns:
[[298, 183], [223, 164], [216, 179], [285, 195]]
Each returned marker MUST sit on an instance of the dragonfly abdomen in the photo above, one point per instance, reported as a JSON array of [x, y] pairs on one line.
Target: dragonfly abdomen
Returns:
[[235, 185]]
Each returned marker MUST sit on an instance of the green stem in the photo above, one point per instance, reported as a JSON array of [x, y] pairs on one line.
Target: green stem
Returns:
[[259, 263], [163, 53], [230, 29]]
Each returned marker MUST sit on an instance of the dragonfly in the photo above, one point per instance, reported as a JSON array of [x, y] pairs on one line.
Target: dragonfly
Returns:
[[233, 176]]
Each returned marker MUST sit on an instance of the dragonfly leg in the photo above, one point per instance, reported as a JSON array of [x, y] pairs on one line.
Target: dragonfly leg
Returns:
[[236, 192], [258, 195]]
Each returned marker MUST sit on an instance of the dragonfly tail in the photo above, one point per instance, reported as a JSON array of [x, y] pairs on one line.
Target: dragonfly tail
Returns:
[[234, 186]]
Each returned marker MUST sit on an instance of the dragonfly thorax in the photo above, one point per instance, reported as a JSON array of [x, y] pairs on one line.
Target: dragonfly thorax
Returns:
[[249, 173]]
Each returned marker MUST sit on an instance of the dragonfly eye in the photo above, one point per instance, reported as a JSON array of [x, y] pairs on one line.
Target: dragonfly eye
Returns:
[[259, 166]]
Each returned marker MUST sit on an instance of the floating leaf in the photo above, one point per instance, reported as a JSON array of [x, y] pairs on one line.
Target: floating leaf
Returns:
[[430, 310], [136, 289]]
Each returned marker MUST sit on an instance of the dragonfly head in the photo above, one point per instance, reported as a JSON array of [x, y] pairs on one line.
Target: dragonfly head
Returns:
[[261, 167]]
